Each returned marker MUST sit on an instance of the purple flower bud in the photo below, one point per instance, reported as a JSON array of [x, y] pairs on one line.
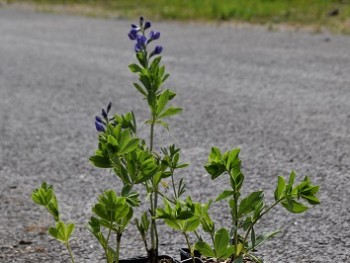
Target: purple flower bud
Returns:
[[99, 127], [104, 114], [156, 35], [133, 34], [141, 20], [137, 47], [157, 50], [98, 119], [147, 25], [109, 107], [153, 35], [142, 40], [134, 26]]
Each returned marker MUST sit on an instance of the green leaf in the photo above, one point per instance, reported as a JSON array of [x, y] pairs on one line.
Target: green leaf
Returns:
[[233, 159], [111, 207], [259, 240], [191, 224], [294, 206], [238, 260], [238, 249], [140, 89], [215, 154], [155, 63], [166, 76], [249, 203], [215, 169], [169, 112], [252, 237], [163, 123], [130, 146], [42, 196], [142, 58], [162, 101], [101, 161], [204, 249], [221, 241], [312, 200], [111, 140], [291, 179], [134, 68], [62, 232], [281, 187], [173, 223], [224, 195], [46, 197]]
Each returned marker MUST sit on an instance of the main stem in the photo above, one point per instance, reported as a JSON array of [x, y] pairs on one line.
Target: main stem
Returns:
[[154, 204], [189, 247], [70, 252], [151, 135], [107, 240], [117, 252], [236, 223]]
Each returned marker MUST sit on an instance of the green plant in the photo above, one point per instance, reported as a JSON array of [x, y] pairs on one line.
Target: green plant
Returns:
[[134, 161], [45, 196], [182, 216], [114, 213], [246, 212]]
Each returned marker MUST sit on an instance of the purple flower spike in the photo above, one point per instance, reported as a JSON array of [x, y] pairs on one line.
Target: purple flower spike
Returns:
[[109, 107], [104, 114], [147, 25], [99, 127], [157, 51]]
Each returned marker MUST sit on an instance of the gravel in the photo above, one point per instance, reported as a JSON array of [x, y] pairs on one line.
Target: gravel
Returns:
[[282, 97]]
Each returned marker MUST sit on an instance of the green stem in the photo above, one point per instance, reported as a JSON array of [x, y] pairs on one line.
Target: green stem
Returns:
[[154, 219], [212, 237], [189, 247], [236, 224], [198, 236], [119, 237], [70, 252], [107, 240], [172, 180], [151, 135], [152, 225]]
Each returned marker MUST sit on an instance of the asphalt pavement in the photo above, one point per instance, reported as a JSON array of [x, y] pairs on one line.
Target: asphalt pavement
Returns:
[[282, 96]]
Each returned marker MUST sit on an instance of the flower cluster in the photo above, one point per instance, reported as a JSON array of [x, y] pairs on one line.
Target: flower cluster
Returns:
[[100, 123], [137, 33]]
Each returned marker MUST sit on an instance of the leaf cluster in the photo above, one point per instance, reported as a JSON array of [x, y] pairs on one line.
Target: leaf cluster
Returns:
[[45, 196], [113, 213]]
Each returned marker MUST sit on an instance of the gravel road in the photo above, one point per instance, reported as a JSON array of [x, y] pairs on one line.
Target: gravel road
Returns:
[[282, 97]]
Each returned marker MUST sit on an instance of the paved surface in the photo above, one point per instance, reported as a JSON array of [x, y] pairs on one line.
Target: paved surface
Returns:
[[283, 97]]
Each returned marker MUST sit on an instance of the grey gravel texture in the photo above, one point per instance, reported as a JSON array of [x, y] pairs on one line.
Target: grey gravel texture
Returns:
[[282, 97]]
